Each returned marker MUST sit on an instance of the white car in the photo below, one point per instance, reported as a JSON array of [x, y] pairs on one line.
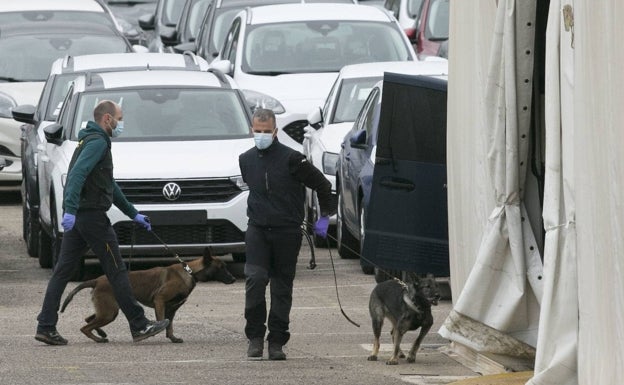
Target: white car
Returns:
[[34, 34], [329, 124], [63, 72], [176, 161], [286, 57]]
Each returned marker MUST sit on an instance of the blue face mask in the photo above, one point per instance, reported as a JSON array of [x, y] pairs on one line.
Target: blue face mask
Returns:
[[263, 140], [119, 128]]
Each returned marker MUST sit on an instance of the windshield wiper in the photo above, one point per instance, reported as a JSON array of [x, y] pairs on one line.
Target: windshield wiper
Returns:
[[269, 73], [10, 79], [129, 2]]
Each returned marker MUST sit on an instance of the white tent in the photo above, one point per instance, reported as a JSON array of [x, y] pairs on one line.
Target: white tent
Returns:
[[568, 311]]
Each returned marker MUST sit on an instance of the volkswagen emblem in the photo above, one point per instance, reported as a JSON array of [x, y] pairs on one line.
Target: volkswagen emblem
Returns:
[[171, 191]]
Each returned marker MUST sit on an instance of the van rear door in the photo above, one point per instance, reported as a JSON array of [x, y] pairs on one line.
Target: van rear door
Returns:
[[407, 223]]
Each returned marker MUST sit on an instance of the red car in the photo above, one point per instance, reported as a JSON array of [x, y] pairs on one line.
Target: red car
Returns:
[[432, 27]]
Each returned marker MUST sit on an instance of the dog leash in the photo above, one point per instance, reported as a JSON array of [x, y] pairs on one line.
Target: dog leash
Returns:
[[185, 266]]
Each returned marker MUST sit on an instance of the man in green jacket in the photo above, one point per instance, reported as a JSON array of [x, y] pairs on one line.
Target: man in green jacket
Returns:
[[90, 190]]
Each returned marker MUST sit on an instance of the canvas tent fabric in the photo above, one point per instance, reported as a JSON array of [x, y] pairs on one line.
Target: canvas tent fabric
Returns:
[[579, 339]]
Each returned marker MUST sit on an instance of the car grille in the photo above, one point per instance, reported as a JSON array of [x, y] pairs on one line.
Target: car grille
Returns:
[[213, 232], [295, 130], [192, 190]]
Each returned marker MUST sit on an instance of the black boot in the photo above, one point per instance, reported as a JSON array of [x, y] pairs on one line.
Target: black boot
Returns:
[[256, 347], [275, 352]]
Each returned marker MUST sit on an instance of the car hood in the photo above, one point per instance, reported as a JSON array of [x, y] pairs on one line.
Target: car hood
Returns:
[[23, 92], [188, 159], [296, 92], [332, 135]]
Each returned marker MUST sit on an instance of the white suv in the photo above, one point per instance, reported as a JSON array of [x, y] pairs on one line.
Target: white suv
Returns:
[[177, 160]]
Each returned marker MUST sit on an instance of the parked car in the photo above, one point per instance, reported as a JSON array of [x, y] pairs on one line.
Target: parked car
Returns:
[[286, 57], [162, 21], [406, 224], [329, 124], [30, 40], [127, 13], [63, 72], [406, 12], [189, 128], [432, 28], [185, 32], [218, 18]]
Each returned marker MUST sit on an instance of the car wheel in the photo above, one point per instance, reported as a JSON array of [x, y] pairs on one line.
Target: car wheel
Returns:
[[30, 222], [347, 244], [367, 267]]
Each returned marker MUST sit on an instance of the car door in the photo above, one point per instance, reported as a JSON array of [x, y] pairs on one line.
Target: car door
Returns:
[[355, 153], [407, 222]]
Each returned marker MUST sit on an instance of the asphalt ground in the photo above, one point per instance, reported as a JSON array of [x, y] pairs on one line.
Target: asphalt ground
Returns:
[[324, 348]]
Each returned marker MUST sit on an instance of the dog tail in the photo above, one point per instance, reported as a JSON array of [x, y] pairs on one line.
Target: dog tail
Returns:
[[72, 293]]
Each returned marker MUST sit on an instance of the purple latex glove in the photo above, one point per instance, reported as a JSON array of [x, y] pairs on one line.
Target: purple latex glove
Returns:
[[320, 227], [144, 221], [68, 222]]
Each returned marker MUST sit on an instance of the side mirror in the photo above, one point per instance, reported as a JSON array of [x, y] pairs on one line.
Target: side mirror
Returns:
[[53, 133], [315, 118], [137, 48], [358, 140], [146, 22], [224, 66], [184, 47], [169, 36], [24, 113]]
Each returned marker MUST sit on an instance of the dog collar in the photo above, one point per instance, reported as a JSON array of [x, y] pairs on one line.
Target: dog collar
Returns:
[[411, 304]]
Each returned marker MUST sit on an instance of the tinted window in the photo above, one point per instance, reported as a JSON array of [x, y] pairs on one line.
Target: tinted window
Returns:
[[351, 98], [171, 113]]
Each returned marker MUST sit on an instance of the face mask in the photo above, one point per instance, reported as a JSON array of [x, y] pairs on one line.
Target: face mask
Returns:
[[263, 140], [119, 128]]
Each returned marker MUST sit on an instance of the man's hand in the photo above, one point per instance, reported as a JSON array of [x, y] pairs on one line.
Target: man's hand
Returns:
[[320, 227], [68, 222], [144, 221]]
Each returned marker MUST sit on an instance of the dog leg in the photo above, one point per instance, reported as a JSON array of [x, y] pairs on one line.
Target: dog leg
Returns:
[[377, 325], [401, 354], [95, 322], [169, 314], [399, 329], [411, 357]]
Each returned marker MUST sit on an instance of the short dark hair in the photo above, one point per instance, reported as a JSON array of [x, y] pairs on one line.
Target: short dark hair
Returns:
[[264, 115], [104, 107]]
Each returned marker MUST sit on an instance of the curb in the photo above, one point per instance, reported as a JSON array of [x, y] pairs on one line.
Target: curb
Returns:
[[515, 378]]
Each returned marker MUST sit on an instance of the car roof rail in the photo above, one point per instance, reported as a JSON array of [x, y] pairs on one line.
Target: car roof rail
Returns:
[[249, 15], [221, 76], [68, 62]]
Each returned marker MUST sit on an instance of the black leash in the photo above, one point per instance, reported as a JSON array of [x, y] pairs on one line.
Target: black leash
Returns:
[[184, 264], [331, 258]]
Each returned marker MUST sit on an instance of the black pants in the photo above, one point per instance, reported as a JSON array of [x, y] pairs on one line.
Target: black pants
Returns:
[[271, 257], [92, 229]]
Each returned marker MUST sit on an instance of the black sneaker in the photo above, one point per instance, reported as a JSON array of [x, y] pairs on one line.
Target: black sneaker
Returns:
[[51, 338], [151, 329], [276, 353], [256, 347]]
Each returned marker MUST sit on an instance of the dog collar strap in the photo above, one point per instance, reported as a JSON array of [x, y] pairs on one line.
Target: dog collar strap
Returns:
[[411, 304]]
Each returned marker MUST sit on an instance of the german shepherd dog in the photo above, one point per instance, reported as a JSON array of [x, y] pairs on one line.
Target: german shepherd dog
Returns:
[[163, 288], [408, 307]]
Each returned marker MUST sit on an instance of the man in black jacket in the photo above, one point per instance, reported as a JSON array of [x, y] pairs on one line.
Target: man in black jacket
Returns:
[[89, 192], [277, 176]]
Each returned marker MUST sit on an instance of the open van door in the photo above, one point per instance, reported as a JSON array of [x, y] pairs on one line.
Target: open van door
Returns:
[[407, 222]]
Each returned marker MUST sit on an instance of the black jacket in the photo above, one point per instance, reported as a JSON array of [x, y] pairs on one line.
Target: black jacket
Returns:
[[277, 178]]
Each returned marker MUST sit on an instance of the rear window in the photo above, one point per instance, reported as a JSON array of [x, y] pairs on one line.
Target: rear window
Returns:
[[170, 114]]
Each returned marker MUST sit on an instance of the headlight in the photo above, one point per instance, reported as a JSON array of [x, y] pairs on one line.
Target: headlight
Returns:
[[330, 160], [238, 180], [257, 99], [6, 105]]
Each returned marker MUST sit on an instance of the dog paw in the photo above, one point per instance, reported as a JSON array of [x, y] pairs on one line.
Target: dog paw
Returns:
[[392, 362], [176, 340], [101, 340], [401, 355], [411, 359], [372, 358]]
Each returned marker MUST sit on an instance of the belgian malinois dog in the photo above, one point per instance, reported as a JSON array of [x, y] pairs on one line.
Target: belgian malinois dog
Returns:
[[408, 307], [163, 288]]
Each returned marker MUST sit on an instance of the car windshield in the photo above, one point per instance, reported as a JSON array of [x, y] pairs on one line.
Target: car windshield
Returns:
[[26, 17], [29, 57], [171, 114], [351, 98], [320, 46]]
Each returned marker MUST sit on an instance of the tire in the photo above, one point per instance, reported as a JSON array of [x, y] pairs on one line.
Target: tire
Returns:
[[346, 243], [367, 267], [30, 223]]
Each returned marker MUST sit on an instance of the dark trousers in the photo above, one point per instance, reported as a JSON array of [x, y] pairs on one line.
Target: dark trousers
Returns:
[[92, 229], [271, 258]]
